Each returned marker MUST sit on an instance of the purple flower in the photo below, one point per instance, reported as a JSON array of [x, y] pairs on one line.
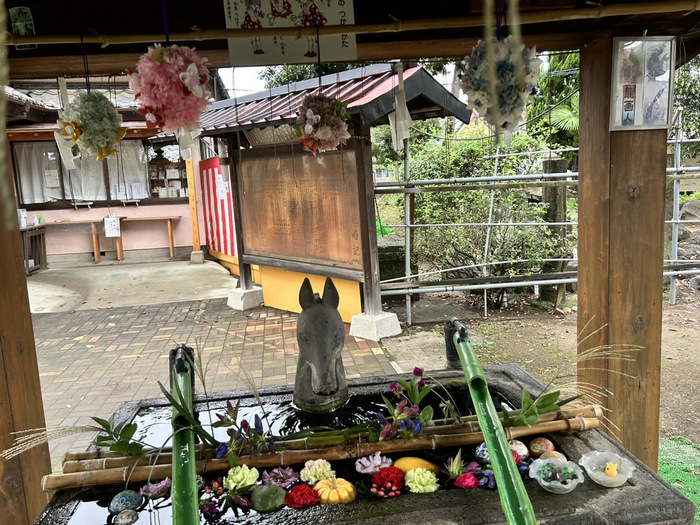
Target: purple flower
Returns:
[[241, 501], [271, 445], [381, 418], [245, 426], [156, 490], [209, 509], [372, 463], [280, 476], [258, 425], [473, 467], [388, 432], [402, 404], [221, 451], [418, 372], [412, 411], [417, 427], [421, 383], [396, 387]]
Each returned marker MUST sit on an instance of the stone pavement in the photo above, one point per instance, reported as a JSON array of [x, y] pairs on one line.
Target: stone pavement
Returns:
[[91, 361]]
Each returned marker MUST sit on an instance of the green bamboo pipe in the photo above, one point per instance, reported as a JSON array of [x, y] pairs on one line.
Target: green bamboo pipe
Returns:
[[515, 502], [184, 491]]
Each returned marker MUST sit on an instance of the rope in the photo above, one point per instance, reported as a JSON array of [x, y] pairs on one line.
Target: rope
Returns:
[[164, 7], [85, 64]]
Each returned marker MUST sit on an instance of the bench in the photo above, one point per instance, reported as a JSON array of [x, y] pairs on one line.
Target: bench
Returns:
[[171, 242]]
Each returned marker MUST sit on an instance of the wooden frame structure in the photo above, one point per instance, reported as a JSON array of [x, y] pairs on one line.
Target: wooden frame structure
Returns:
[[621, 176]]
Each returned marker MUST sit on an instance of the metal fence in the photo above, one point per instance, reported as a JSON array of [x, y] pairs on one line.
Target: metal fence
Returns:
[[672, 266]]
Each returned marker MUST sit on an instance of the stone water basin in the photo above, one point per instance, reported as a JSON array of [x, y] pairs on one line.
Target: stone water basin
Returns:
[[645, 498]]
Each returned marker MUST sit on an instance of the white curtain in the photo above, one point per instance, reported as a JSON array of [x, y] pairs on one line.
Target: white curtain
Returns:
[[128, 171], [38, 167]]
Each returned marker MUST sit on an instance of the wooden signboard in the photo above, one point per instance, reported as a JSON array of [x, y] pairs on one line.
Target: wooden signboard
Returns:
[[297, 207]]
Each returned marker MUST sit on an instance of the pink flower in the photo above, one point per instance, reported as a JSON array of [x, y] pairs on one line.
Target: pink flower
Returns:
[[467, 481], [418, 372]]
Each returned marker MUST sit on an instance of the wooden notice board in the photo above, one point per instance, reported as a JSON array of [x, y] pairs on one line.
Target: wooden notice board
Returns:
[[301, 208]]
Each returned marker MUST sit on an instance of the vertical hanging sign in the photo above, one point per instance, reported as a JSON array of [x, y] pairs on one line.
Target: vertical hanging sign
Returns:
[[273, 50]]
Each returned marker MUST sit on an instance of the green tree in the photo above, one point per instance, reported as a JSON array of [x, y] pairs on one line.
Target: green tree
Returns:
[[687, 96], [559, 81]]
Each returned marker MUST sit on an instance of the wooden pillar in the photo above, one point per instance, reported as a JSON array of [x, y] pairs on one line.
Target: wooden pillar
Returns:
[[192, 192], [365, 189], [621, 210], [21, 407]]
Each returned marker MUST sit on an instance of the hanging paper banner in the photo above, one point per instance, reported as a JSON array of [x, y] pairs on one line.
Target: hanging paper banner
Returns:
[[273, 50]]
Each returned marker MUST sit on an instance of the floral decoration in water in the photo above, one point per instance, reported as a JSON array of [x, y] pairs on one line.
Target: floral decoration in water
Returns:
[[372, 463], [514, 86], [241, 478], [321, 123], [467, 481], [421, 480], [387, 482], [301, 497], [280, 476], [315, 470], [170, 87], [92, 124]]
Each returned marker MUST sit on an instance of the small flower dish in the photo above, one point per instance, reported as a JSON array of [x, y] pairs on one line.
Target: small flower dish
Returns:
[[556, 476], [607, 468]]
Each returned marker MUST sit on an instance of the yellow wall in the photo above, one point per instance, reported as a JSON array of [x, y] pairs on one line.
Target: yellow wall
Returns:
[[281, 290]]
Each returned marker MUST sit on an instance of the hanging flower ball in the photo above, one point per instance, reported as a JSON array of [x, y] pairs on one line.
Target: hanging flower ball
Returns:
[[93, 124], [321, 123], [514, 86], [170, 86]]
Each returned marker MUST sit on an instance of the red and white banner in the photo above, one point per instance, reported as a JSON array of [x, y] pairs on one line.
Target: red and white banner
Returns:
[[218, 208]]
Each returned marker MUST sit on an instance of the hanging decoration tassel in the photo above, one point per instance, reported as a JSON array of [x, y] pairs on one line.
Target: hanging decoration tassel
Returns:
[[500, 75], [89, 125], [322, 121]]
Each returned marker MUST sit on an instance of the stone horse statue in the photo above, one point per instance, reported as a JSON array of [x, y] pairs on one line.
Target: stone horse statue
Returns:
[[320, 384]]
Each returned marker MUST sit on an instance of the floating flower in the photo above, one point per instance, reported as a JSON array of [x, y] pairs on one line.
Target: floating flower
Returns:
[[421, 480], [209, 509], [157, 490], [372, 463], [316, 470], [321, 124], [387, 482], [93, 124], [280, 476], [240, 476], [301, 497], [467, 481]]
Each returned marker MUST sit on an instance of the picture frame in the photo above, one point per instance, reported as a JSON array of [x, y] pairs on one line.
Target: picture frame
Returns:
[[642, 83]]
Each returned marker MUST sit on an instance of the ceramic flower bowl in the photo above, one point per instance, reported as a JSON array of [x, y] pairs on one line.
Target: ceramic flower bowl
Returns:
[[607, 468], [555, 475]]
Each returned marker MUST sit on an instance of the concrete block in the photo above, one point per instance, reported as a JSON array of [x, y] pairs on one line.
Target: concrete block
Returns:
[[240, 299], [197, 257], [374, 327]]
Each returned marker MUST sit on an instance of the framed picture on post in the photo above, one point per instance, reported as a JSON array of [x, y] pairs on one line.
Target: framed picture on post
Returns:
[[642, 83]]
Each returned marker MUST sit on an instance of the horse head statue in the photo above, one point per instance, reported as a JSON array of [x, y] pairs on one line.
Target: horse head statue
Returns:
[[320, 384]]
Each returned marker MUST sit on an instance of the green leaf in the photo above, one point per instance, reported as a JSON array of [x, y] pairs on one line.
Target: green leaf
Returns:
[[426, 415], [506, 416], [548, 399], [548, 408], [103, 423], [532, 419], [389, 406], [128, 432], [526, 400], [424, 392]]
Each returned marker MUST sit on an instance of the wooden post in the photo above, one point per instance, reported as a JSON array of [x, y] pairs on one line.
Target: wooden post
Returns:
[[194, 219], [365, 190], [621, 210], [21, 407], [245, 274]]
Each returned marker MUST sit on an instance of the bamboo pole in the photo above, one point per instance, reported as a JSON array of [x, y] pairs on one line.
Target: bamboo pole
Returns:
[[126, 474], [396, 26], [84, 461]]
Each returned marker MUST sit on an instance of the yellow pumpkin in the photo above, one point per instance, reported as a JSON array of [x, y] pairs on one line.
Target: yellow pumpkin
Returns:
[[335, 490], [409, 463]]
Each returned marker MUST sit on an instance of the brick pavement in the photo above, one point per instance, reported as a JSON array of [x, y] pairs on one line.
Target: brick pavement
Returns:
[[91, 361]]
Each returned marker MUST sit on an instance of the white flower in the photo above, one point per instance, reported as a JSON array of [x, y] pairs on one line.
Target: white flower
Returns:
[[308, 129], [190, 77], [310, 115], [324, 133]]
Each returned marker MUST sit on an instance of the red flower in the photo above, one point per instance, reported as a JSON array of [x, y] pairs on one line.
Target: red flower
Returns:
[[391, 475], [516, 457], [301, 496], [467, 481]]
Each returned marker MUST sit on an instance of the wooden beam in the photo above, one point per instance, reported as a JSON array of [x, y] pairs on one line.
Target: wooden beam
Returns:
[[192, 192], [621, 203]]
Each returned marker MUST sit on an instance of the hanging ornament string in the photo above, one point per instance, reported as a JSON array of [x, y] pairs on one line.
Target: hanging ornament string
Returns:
[[85, 64], [318, 52], [164, 7]]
